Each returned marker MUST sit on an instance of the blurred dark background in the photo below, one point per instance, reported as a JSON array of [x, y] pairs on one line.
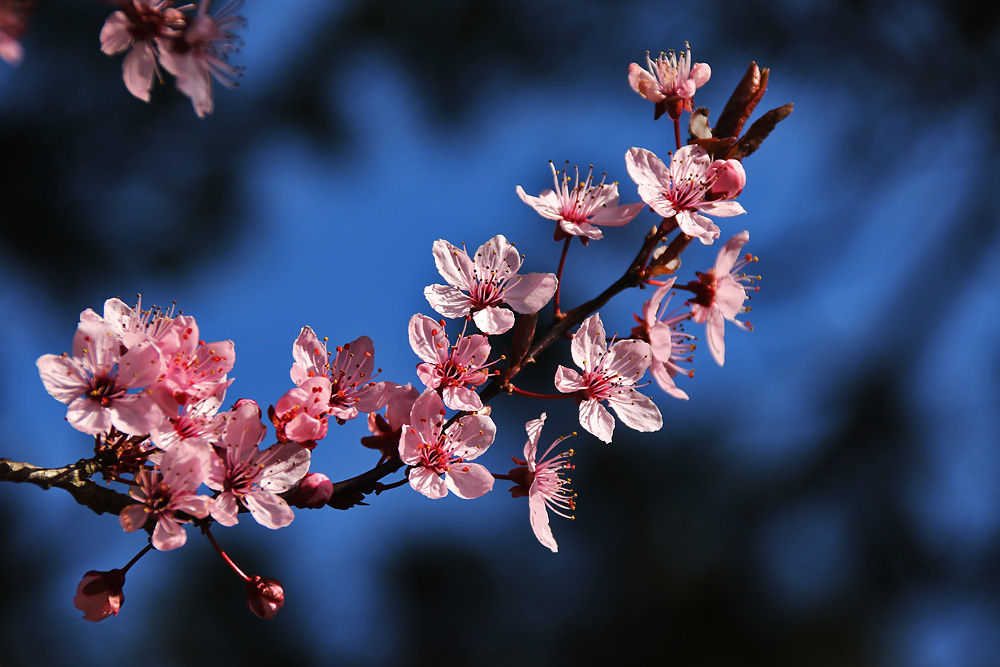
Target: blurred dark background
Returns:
[[827, 498]]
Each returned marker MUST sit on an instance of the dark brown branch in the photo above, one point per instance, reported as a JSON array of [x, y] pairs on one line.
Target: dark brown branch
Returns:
[[72, 478]]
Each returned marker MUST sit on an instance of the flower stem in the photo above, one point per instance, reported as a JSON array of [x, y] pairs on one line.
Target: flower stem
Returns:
[[551, 397], [225, 556], [677, 132], [559, 272], [136, 558]]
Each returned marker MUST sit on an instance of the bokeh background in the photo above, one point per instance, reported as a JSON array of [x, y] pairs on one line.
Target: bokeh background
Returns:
[[830, 497]]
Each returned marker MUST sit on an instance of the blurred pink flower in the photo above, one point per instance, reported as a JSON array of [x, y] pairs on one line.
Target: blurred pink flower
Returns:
[[243, 474], [720, 294], [540, 480], [693, 184], [434, 451], [94, 382], [478, 288], [13, 23], [448, 369], [164, 491], [99, 594], [669, 81], [199, 53], [138, 26], [580, 208], [608, 375]]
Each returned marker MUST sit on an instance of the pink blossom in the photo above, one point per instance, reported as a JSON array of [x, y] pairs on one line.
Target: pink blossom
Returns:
[[197, 425], [669, 82], [480, 287], [540, 480], [300, 415], [720, 294], [242, 474], [449, 369], [137, 27], [201, 53], [134, 325], [13, 22], [608, 375], [350, 373], [667, 343], [433, 452], [691, 186], [99, 594], [162, 492], [192, 369], [387, 429], [265, 596], [94, 382], [580, 208]]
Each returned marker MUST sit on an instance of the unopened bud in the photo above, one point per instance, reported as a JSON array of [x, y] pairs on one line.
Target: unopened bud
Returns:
[[265, 596], [99, 594], [313, 492], [730, 178]]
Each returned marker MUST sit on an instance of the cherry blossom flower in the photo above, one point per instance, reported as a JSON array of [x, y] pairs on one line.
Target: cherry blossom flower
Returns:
[[667, 344], [540, 480], [480, 287], [192, 369], [669, 82], [265, 596], [300, 415], [13, 23], [608, 375], [138, 26], [94, 382], [162, 493], [387, 429], [134, 325], [692, 185], [449, 369], [350, 373], [434, 451], [720, 294], [200, 53], [99, 594], [242, 474], [580, 208]]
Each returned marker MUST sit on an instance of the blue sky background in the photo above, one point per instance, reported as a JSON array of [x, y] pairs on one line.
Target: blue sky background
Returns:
[[337, 235]]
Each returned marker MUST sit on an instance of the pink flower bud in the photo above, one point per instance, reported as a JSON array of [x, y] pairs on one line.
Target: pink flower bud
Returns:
[[313, 492], [265, 596], [99, 594], [730, 178]]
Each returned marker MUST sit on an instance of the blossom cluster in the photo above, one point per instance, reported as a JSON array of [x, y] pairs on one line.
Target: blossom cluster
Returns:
[[151, 392]]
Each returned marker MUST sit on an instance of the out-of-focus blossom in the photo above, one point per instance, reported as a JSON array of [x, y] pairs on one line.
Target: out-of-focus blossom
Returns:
[[350, 373], [201, 51], [265, 596], [668, 344], [692, 185], [669, 81], [13, 23], [479, 287], [387, 429], [164, 491], [139, 26], [608, 375], [580, 208], [720, 294], [449, 369], [244, 475], [435, 451], [94, 381], [99, 594], [540, 480]]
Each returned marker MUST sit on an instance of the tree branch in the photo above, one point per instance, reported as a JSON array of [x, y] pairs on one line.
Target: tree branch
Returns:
[[73, 478]]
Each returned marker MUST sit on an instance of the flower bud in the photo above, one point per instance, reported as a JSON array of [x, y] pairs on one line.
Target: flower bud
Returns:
[[99, 594], [264, 596], [313, 492], [730, 178]]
